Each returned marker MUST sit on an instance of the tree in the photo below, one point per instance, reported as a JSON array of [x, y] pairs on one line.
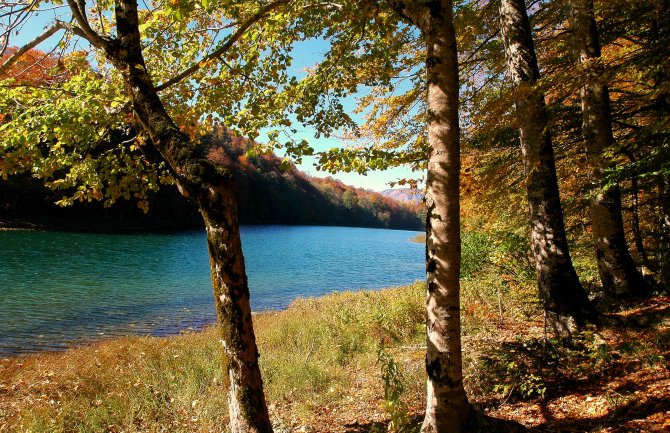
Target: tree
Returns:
[[638, 33], [565, 301], [447, 406], [371, 47], [33, 67], [664, 187], [618, 273], [211, 187]]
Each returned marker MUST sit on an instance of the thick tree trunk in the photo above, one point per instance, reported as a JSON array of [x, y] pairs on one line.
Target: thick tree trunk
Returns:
[[565, 301], [618, 274], [213, 189], [447, 406], [246, 401]]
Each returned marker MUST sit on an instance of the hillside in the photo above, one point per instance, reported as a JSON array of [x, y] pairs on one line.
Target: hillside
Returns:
[[404, 195], [267, 194]]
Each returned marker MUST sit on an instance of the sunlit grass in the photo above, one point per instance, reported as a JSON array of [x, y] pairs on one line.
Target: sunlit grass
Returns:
[[175, 384]]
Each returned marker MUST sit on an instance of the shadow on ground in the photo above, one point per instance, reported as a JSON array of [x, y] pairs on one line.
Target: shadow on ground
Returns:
[[617, 421]]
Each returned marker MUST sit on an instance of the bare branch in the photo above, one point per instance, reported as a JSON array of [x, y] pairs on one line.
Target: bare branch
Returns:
[[55, 27], [22, 13], [262, 12]]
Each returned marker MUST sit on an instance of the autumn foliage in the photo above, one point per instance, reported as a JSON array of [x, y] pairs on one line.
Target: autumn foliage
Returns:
[[37, 68], [270, 189]]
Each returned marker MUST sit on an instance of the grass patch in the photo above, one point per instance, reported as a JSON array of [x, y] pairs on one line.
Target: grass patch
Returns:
[[144, 384], [312, 345]]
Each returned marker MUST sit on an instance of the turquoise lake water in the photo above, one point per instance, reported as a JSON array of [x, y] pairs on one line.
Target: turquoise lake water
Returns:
[[62, 289]]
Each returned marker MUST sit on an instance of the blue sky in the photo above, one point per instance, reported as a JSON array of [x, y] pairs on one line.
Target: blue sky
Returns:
[[306, 56]]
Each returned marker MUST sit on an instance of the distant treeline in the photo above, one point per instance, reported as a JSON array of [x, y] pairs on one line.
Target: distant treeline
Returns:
[[267, 194]]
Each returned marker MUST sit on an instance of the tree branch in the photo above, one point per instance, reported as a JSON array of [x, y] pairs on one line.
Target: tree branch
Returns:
[[481, 46], [81, 4], [56, 26], [262, 12], [90, 35], [401, 8], [30, 45], [22, 13]]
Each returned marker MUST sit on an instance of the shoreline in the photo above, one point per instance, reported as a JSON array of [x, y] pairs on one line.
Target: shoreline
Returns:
[[84, 343], [203, 327], [309, 355], [111, 337], [166, 309]]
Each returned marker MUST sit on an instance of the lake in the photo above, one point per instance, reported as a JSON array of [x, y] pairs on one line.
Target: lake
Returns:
[[60, 289]]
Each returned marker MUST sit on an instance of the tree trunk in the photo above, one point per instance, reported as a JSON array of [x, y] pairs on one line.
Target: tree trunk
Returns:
[[447, 406], [565, 302], [618, 274], [664, 241], [246, 401], [635, 220], [660, 37], [213, 189]]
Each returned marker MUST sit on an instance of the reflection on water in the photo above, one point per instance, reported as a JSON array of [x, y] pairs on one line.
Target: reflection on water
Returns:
[[60, 289]]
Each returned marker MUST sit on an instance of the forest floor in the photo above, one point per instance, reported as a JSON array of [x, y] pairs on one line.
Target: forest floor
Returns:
[[614, 380], [327, 362]]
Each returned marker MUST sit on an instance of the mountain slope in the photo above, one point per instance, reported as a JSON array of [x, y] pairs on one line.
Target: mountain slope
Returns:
[[403, 195], [266, 195]]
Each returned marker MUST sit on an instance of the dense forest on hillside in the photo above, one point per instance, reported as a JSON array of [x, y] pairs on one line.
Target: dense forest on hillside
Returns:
[[405, 195], [267, 193]]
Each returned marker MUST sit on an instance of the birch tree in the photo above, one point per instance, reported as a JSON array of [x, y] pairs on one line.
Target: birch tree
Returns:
[[386, 57]]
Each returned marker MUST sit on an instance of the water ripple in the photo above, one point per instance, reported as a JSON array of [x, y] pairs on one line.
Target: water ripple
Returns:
[[62, 289]]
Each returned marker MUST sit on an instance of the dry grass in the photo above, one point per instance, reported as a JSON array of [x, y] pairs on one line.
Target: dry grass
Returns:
[[174, 384]]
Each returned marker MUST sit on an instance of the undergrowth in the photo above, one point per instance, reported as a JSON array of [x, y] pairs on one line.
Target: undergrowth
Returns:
[[529, 368]]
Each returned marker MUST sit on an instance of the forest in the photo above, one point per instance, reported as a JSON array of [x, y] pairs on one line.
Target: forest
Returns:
[[538, 132], [267, 193]]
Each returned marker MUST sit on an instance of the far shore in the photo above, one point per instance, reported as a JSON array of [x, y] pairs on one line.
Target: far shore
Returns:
[[67, 226]]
